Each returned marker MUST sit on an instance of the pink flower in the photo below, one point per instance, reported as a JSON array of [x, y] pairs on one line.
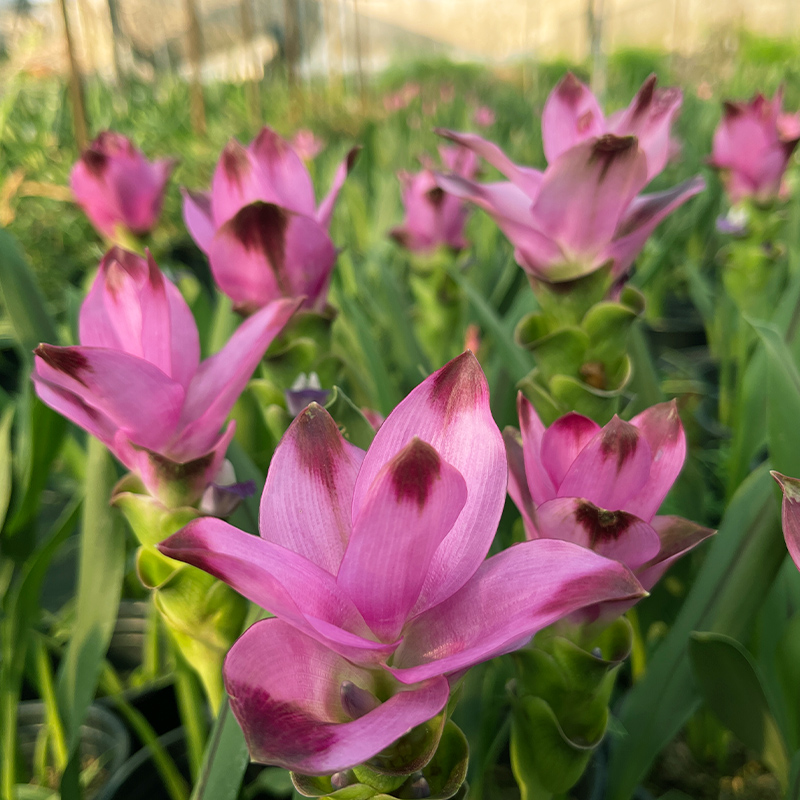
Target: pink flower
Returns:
[[572, 115], [117, 186], [136, 381], [306, 144], [601, 487], [402, 98], [260, 227], [483, 116], [434, 217], [790, 514], [373, 565], [752, 147], [582, 213]]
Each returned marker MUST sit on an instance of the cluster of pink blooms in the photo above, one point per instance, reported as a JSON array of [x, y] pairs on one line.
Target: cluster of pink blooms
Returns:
[[374, 563]]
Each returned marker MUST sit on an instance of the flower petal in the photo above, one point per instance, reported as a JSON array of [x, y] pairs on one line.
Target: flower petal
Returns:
[[410, 508], [641, 219], [198, 218], [221, 378], [285, 690], [512, 596], [790, 514], [265, 252], [517, 480], [308, 494], [138, 398], [286, 584], [678, 536], [571, 115], [661, 426], [450, 411], [611, 468], [586, 191], [325, 210], [613, 534], [560, 445], [527, 179]]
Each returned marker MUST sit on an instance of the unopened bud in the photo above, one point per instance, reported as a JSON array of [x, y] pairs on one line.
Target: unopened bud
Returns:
[[339, 780], [356, 701], [419, 787]]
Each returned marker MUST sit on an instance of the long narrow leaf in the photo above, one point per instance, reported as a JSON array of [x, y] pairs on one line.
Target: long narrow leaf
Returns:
[[225, 761]]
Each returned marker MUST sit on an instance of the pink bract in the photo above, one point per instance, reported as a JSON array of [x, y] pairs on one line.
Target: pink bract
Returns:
[[434, 217], [374, 566], [584, 212], [136, 381], [752, 147], [260, 226], [790, 514], [117, 186], [601, 487]]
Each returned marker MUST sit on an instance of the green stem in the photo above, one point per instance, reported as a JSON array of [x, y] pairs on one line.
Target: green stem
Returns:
[[174, 782], [44, 672], [192, 708]]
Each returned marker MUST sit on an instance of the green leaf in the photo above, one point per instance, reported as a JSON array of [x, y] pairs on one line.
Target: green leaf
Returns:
[[353, 424], [5, 462], [731, 686], [21, 298], [225, 761], [100, 573]]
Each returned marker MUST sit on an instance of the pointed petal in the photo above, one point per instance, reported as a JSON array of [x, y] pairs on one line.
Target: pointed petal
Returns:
[[661, 426], [525, 178], [649, 118], [678, 536], [185, 340], [790, 514], [266, 252], [611, 469], [410, 508], [308, 495], [512, 596], [284, 583], [450, 411], [586, 191], [137, 397], [221, 378], [198, 218], [518, 482], [561, 444], [92, 193], [237, 182], [571, 115], [285, 690], [641, 219], [325, 210], [613, 534]]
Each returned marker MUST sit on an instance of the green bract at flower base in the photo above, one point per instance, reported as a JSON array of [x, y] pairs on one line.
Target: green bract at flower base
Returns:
[[583, 365], [442, 777], [560, 704]]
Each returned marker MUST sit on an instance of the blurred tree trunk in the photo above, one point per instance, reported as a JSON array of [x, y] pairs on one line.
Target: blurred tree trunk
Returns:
[[76, 94], [254, 79], [194, 43], [292, 40], [594, 14]]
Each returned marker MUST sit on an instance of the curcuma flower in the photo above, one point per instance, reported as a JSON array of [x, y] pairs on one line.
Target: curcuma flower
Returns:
[[601, 487], [136, 381], [752, 147], [434, 217], [572, 115], [373, 565], [790, 514], [584, 212], [260, 226], [117, 187]]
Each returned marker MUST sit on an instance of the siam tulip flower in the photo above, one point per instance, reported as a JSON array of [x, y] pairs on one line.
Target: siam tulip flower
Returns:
[[572, 115], [434, 217], [752, 147], [306, 144], [136, 381], [601, 487], [402, 98], [483, 116], [373, 565], [260, 227], [579, 215], [117, 187], [790, 514]]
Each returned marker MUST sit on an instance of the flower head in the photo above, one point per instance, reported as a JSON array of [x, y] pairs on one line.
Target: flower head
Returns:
[[136, 381], [484, 117], [752, 147], [601, 487], [260, 226], [117, 186], [373, 565], [433, 217], [306, 144], [582, 213]]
